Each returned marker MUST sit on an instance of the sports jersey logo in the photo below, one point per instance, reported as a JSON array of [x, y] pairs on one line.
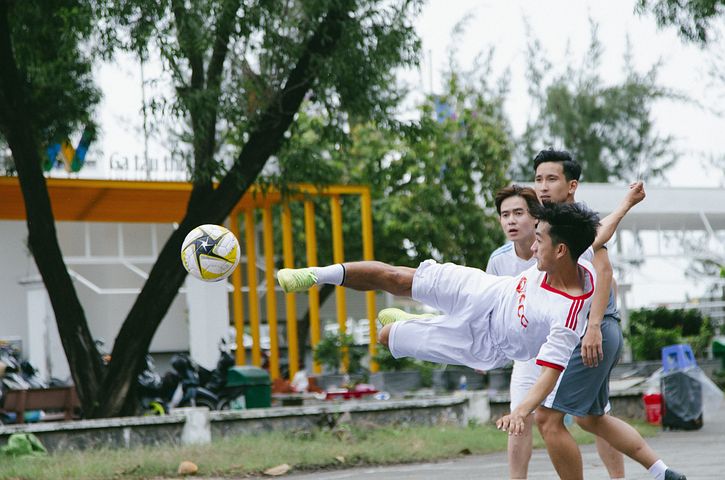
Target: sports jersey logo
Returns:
[[521, 290]]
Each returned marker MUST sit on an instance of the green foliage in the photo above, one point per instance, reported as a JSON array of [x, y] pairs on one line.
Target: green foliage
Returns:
[[55, 66], [328, 352], [388, 363], [652, 329], [692, 19], [432, 181], [608, 128]]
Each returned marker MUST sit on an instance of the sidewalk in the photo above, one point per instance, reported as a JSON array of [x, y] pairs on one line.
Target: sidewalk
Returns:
[[699, 455]]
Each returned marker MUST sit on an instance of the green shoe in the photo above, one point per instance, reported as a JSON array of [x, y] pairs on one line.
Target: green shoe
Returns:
[[392, 315], [296, 279]]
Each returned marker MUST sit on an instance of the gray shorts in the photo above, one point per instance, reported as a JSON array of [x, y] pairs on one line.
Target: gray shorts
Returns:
[[584, 390]]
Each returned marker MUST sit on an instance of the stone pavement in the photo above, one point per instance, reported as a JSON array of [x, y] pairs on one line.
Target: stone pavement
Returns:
[[699, 454]]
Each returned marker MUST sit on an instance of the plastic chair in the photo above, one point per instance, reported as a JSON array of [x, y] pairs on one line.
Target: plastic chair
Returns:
[[677, 357]]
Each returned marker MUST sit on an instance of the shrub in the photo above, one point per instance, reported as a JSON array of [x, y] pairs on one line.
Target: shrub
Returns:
[[652, 329], [328, 352]]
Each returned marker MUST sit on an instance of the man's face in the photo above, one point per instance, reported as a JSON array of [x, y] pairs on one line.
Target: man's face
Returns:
[[516, 221], [551, 184], [544, 249]]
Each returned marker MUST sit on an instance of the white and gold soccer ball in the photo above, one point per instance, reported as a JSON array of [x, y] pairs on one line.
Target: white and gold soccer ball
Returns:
[[210, 253]]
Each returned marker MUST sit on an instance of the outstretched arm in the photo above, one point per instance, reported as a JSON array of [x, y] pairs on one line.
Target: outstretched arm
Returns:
[[514, 422], [609, 224]]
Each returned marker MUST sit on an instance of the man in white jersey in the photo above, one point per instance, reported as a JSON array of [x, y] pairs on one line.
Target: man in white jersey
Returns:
[[487, 320], [513, 204], [583, 390]]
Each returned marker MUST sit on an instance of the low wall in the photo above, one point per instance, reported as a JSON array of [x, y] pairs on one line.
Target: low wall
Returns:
[[198, 425]]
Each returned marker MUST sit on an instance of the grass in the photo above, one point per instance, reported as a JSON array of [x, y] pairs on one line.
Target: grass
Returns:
[[239, 456]]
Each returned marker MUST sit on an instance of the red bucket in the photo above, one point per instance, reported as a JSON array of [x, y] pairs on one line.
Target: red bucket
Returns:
[[653, 408]]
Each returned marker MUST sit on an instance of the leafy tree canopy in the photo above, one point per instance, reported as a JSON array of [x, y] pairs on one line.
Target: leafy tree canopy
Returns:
[[694, 19], [608, 128]]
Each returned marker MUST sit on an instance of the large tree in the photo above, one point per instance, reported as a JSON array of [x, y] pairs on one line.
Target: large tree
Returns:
[[432, 179], [608, 127], [693, 19], [239, 70]]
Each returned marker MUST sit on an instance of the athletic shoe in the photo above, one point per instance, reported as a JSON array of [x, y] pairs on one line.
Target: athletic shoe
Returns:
[[296, 279], [672, 475], [392, 315]]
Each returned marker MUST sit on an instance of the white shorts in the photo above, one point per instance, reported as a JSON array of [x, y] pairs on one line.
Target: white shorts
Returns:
[[523, 377], [463, 335]]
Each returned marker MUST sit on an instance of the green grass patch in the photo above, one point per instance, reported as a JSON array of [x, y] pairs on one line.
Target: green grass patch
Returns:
[[342, 447]]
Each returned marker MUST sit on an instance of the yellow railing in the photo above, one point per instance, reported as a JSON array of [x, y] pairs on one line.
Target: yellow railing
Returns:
[[264, 202]]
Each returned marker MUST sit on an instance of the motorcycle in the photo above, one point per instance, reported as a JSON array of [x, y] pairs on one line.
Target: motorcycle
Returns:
[[187, 388]]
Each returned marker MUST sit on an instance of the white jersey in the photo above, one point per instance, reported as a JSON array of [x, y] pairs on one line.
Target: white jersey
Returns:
[[504, 261], [536, 320], [489, 320]]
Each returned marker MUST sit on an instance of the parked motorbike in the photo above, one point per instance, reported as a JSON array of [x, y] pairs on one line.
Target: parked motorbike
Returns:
[[151, 391], [230, 397], [186, 375]]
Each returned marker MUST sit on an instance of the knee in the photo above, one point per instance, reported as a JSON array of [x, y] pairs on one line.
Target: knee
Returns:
[[588, 423], [548, 422], [384, 335], [400, 280]]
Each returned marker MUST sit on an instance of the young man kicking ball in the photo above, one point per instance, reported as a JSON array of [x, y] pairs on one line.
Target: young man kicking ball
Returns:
[[487, 320]]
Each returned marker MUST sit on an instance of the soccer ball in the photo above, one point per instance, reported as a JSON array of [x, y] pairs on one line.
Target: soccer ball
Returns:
[[210, 253]]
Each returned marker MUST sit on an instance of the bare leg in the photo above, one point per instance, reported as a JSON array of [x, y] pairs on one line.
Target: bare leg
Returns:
[[621, 436], [519, 451], [611, 457], [563, 450], [372, 275]]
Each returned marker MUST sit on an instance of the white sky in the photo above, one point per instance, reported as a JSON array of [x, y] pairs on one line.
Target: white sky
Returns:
[[563, 28]]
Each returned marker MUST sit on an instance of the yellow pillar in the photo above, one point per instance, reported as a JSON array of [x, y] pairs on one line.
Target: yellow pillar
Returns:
[[366, 212], [338, 256], [291, 304], [237, 296], [249, 236], [271, 294], [314, 292]]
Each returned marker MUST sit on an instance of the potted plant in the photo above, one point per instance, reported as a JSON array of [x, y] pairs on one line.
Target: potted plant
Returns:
[[398, 375], [329, 353]]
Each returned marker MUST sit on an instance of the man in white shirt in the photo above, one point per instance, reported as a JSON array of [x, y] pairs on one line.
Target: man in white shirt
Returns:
[[487, 320]]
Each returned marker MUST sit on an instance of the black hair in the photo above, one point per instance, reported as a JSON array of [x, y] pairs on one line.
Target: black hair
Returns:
[[572, 169], [527, 193], [572, 224]]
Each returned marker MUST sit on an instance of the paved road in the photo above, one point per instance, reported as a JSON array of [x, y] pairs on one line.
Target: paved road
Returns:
[[700, 455]]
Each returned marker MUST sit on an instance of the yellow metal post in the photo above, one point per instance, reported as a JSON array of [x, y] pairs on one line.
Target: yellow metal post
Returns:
[[271, 293], [366, 212], [291, 304], [249, 234], [237, 296], [314, 292], [338, 256]]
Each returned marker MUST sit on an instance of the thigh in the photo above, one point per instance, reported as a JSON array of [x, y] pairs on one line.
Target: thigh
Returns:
[[454, 289]]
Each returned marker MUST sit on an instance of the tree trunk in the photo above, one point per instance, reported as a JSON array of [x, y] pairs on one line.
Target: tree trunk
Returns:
[[17, 128], [167, 274]]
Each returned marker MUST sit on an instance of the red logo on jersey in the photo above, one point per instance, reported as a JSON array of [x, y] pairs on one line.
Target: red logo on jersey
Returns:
[[521, 290]]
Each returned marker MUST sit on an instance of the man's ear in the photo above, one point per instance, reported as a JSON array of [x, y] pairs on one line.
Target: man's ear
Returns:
[[561, 250], [573, 184]]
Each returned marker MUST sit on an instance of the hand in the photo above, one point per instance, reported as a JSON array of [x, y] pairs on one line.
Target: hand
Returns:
[[592, 352], [635, 194], [512, 423]]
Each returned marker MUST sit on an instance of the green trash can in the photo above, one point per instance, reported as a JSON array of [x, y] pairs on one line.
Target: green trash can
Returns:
[[718, 350], [256, 382]]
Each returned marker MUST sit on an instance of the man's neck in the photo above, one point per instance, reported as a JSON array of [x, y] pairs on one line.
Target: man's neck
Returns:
[[566, 278], [522, 248]]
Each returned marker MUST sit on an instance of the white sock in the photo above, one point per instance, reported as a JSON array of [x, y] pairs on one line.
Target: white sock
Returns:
[[657, 470], [332, 274]]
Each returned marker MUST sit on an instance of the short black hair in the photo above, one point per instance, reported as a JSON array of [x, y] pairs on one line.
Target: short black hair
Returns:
[[572, 169], [572, 224], [513, 190]]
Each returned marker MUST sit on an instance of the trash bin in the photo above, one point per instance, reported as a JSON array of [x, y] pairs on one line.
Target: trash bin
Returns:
[[681, 389], [718, 350], [256, 382]]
